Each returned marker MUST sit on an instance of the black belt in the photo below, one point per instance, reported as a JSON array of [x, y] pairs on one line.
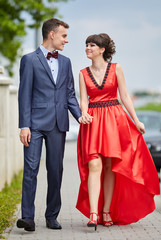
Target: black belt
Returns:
[[103, 104]]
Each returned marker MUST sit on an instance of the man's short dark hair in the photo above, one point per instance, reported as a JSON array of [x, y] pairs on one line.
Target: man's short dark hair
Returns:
[[52, 25]]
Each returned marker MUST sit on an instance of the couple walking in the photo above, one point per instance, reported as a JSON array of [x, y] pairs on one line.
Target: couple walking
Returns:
[[118, 176]]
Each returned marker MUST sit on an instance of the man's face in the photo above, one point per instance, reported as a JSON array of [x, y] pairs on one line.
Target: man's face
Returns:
[[59, 38]]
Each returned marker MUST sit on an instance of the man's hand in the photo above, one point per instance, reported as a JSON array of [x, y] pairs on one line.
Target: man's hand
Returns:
[[25, 136]]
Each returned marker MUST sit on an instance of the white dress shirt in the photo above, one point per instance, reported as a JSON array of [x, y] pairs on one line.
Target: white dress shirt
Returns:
[[53, 63]]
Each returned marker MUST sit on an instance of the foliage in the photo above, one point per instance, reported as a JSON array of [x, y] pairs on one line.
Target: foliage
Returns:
[[10, 196], [13, 25], [151, 107]]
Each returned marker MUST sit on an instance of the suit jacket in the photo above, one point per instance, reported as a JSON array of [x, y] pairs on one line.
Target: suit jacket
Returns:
[[42, 103]]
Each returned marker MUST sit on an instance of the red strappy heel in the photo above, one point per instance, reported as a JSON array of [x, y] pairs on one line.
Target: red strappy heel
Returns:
[[107, 223], [92, 222]]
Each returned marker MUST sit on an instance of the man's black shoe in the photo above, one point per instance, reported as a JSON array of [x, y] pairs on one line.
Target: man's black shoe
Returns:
[[26, 223], [53, 224]]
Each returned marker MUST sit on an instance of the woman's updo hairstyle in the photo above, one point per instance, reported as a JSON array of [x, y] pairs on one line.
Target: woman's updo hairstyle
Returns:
[[102, 40]]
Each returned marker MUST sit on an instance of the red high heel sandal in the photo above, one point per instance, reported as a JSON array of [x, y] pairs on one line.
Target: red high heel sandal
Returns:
[[92, 222], [107, 223]]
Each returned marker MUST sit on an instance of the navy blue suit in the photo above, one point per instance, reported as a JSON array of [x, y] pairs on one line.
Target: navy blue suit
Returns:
[[43, 107]]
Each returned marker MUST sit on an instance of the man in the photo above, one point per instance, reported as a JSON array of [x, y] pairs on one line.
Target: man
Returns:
[[46, 93]]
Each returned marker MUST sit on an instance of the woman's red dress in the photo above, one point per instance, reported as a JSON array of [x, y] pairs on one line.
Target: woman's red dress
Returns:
[[113, 134]]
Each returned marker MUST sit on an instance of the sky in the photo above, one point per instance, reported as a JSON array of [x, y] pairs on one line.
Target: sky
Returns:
[[135, 27]]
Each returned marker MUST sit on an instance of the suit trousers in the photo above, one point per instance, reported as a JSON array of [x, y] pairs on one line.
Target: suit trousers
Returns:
[[54, 142]]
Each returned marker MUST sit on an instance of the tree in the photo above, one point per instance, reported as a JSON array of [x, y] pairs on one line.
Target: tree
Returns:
[[13, 25]]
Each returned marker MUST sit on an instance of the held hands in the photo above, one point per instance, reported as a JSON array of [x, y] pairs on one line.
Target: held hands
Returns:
[[140, 127], [25, 136], [85, 118]]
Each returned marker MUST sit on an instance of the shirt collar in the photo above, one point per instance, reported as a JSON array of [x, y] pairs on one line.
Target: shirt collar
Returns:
[[44, 50]]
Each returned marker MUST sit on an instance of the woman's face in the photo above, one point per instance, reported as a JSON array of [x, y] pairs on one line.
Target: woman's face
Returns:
[[92, 50]]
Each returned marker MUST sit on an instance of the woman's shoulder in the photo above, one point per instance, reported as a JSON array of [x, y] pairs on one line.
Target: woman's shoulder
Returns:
[[84, 71], [116, 66]]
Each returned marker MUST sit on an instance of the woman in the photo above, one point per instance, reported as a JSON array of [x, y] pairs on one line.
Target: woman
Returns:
[[118, 176]]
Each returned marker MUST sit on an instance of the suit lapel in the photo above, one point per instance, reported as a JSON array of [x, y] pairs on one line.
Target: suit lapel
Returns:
[[60, 62], [42, 59]]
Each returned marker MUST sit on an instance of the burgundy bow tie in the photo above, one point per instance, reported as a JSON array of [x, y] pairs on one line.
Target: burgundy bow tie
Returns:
[[54, 55]]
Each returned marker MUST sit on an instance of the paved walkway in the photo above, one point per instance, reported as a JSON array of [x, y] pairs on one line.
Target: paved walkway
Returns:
[[73, 222]]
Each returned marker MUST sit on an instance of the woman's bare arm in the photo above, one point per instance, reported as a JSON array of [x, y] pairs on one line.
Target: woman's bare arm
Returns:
[[125, 98]]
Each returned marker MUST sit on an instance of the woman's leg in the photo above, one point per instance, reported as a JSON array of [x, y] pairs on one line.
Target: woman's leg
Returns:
[[94, 182], [108, 187]]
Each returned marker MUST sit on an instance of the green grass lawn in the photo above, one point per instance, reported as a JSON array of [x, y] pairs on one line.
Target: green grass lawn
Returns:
[[151, 107], [10, 196]]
